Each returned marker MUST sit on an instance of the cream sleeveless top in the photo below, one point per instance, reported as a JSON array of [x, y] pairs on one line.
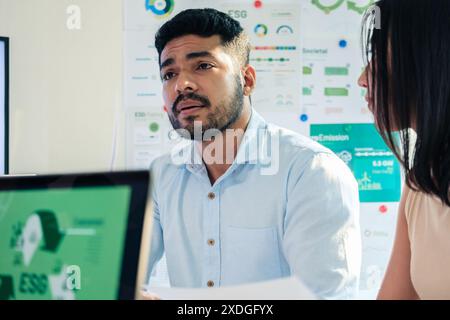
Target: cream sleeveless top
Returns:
[[429, 234]]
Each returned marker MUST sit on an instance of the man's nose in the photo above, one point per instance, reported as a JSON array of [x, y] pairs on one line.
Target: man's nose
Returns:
[[362, 81], [185, 83]]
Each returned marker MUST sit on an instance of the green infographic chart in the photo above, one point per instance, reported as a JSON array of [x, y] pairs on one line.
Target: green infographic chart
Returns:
[[62, 244], [364, 151]]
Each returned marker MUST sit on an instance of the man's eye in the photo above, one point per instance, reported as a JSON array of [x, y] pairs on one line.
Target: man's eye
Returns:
[[168, 76], [204, 66]]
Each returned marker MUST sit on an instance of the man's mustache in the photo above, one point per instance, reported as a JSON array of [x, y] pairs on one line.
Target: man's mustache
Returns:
[[190, 96]]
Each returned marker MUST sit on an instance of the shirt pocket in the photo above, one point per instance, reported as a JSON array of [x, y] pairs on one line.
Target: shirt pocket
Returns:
[[250, 255]]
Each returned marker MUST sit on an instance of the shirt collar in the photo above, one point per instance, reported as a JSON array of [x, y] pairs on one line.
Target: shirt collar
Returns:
[[250, 147], [188, 153]]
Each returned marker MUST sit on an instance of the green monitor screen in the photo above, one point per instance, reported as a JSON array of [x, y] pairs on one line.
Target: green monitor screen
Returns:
[[71, 237]]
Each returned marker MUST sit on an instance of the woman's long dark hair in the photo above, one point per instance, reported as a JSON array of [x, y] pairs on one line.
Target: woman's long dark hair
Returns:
[[407, 43]]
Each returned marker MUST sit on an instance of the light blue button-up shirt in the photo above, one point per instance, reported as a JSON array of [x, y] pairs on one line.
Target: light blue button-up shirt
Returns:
[[287, 205]]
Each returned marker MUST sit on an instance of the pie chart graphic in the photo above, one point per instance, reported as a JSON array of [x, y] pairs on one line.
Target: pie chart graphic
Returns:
[[261, 30], [161, 8]]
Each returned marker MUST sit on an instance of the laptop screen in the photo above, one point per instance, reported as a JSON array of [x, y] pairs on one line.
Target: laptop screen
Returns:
[[71, 237]]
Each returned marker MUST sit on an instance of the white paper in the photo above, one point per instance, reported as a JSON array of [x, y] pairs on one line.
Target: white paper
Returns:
[[281, 289]]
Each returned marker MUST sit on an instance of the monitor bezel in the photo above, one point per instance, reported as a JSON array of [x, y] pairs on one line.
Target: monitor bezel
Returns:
[[138, 181], [5, 40]]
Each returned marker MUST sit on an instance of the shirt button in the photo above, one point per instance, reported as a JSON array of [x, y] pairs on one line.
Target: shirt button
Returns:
[[211, 242], [210, 283], [211, 196]]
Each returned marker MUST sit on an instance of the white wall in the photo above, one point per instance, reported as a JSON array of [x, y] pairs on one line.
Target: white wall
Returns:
[[64, 85]]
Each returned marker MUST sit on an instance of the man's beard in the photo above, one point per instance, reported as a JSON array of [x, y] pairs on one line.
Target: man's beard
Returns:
[[223, 117]]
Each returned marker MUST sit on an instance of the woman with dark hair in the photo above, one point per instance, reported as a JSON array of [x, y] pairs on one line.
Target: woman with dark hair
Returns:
[[407, 46]]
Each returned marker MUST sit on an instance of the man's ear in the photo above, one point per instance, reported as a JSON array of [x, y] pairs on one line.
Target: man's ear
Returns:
[[249, 75]]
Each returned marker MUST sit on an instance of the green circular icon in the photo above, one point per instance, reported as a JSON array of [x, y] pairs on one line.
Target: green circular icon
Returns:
[[352, 5], [327, 8], [154, 127]]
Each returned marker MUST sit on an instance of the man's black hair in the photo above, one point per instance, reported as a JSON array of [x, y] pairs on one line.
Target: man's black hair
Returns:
[[206, 23]]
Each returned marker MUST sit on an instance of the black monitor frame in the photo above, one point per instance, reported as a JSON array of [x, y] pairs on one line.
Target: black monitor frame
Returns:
[[5, 40]]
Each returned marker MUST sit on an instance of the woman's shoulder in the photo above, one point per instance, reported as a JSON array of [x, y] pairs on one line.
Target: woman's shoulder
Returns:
[[419, 202]]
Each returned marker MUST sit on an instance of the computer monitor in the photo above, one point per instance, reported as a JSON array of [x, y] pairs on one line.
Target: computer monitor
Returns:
[[4, 108], [75, 236]]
